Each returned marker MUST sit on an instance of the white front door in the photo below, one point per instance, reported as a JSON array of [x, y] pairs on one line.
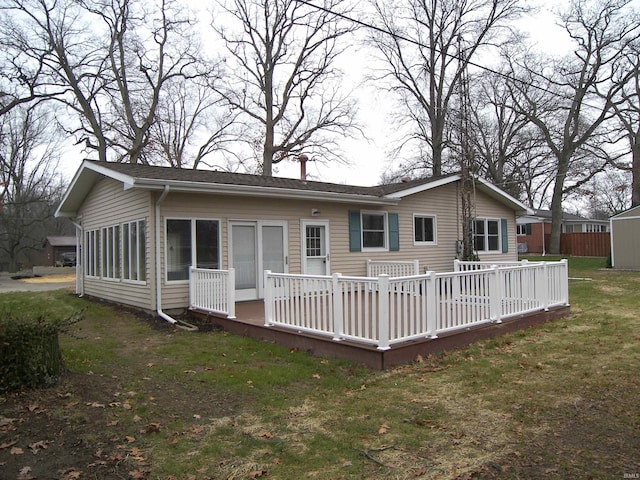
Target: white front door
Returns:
[[315, 247], [254, 248]]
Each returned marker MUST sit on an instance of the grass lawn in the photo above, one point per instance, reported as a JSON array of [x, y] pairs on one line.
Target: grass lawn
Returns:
[[142, 400]]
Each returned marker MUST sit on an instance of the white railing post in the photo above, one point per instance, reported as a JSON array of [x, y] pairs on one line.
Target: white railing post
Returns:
[[456, 265], [268, 299], [192, 290], [338, 321], [231, 293], [565, 281], [383, 312], [495, 299], [416, 264], [369, 267], [431, 294], [545, 285]]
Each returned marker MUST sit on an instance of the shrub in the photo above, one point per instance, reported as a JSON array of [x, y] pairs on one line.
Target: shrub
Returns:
[[30, 352]]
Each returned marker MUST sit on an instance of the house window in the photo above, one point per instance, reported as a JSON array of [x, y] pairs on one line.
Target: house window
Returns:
[[373, 230], [134, 258], [110, 252], [191, 242], [92, 252], [523, 229], [486, 235], [424, 230], [314, 241]]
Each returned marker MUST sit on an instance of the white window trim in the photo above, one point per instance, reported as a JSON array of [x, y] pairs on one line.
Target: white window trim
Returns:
[[144, 252], [384, 248], [106, 257], [486, 235], [91, 259], [193, 221], [435, 229]]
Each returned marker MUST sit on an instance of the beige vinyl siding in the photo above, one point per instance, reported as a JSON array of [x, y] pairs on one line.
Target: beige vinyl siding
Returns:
[[109, 204], [625, 234], [441, 202]]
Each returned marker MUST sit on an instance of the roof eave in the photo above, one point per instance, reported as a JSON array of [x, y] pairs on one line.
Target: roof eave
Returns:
[[258, 191]]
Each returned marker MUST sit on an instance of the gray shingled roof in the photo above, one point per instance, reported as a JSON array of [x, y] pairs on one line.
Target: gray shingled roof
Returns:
[[226, 178]]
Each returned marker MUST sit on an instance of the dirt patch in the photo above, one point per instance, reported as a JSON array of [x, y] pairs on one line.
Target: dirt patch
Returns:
[[50, 279]]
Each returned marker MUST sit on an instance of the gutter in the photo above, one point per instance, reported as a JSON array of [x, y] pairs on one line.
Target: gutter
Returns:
[[262, 192], [161, 314]]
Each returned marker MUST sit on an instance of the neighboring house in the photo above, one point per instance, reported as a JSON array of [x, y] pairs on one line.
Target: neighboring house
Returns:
[[533, 231], [143, 226], [625, 230], [58, 251]]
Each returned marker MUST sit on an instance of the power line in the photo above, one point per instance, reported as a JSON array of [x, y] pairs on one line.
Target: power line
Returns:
[[422, 45]]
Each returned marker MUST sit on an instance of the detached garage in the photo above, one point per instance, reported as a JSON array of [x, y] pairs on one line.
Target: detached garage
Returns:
[[625, 231]]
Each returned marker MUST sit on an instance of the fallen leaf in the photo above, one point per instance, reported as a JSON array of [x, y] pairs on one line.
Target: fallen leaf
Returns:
[[16, 451], [5, 421], [276, 461], [419, 359], [383, 429], [113, 423], [136, 419], [25, 474], [71, 405], [265, 434], [151, 428], [138, 474], [95, 405], [130, 439], [257, 473], [36, 446], [189, 371], [7, 445], [316, 375], [193, 453]]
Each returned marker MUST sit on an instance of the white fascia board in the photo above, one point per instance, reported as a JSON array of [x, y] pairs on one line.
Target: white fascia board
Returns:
[[79, 186], [637, 207], [491, 189], [495, 191], [424, 187], [264, 192]]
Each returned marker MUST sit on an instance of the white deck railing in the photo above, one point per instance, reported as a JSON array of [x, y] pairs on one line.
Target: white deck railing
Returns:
[[383, 310], [213, 291], [393, 268]]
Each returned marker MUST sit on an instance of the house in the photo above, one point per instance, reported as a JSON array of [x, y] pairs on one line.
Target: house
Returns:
[[625, 228], [142, 227], [533, 231], [59, 251]]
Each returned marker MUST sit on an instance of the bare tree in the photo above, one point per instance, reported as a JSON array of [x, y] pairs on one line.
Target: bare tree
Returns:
[[282, 74], [426, 46], [584, 88], [191, 124], [108, 63], [509, 150], [28, 158], [628, 114]]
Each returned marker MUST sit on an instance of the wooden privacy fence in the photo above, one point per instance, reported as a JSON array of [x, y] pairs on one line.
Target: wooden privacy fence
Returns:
[[594, 244], [383, 311]]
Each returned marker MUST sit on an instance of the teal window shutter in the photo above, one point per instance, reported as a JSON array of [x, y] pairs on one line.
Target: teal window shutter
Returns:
[[394, 232], [505, 235], [355, 231]]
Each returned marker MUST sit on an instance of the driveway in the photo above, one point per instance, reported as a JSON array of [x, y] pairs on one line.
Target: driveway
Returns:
[[36, 284]]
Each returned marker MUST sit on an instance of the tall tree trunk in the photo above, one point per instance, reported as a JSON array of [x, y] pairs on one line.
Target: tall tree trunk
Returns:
[[635, 171], [556, 207]]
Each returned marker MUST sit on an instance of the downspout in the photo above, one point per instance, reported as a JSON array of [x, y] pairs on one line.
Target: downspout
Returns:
[[161, 314], [79, 260]]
